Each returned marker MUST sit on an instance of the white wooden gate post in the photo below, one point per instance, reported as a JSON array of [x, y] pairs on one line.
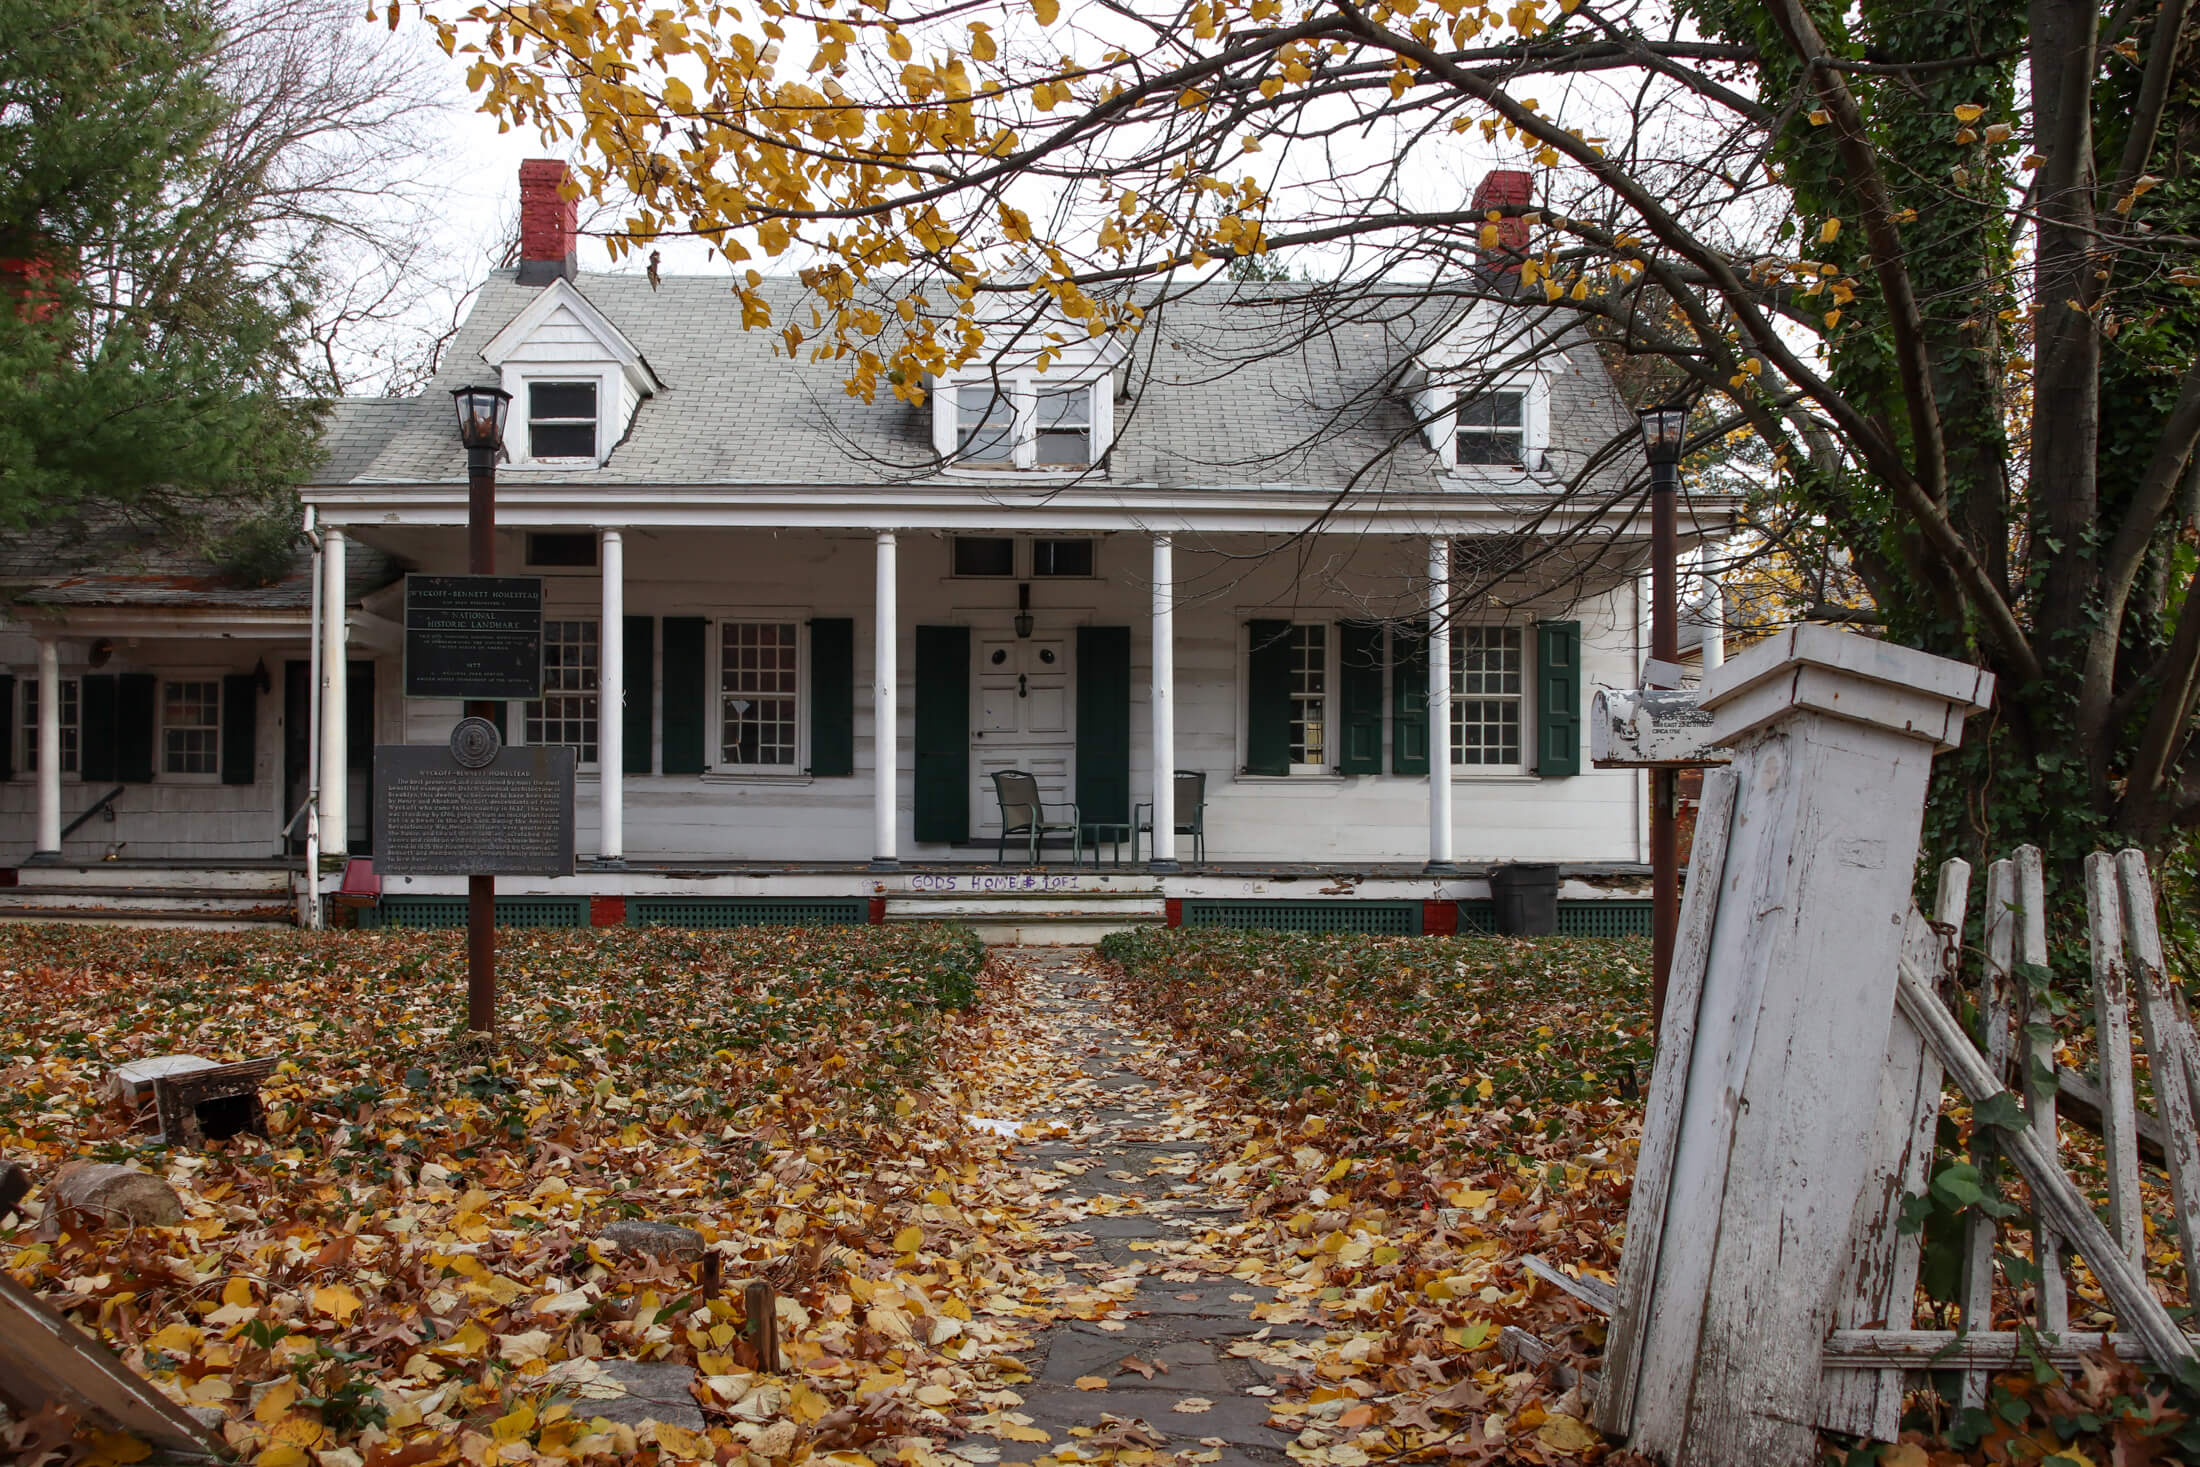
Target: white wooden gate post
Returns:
[[1760, 1126]]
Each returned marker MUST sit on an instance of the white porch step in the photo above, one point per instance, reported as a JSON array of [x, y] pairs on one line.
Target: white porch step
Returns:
[[245, 880], [1033, 919], [140, 895]]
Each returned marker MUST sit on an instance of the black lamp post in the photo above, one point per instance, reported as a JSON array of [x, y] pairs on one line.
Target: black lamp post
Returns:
[[481, 413], [1664, 433]]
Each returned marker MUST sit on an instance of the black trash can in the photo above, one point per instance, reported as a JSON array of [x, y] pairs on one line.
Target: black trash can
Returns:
[[1526, 898]]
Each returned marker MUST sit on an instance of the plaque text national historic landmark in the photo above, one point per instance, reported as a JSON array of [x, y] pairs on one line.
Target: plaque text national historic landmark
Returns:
[[473, 637]]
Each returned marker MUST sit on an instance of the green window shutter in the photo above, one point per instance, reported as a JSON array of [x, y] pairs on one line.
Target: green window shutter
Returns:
[[1104, 725], [95, 711], [14, 714], [832, 696], [687, 667], [137, 720], [1268, 698], [1557, 697], [1360, 696], [636, 719], [943, 734], [1409, 699], [240, 726]]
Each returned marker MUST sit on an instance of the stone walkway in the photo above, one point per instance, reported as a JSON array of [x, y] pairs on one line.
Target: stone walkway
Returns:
[[1179, 1350]]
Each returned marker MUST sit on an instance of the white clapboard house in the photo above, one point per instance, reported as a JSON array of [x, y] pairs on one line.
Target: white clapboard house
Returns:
[[793, 634]]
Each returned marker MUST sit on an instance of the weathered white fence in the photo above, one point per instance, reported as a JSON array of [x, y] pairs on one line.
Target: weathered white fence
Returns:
[[1766, 1287]]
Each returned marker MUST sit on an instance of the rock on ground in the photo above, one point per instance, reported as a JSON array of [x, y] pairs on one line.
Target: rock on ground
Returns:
[[659, 1240], [105, 1194]]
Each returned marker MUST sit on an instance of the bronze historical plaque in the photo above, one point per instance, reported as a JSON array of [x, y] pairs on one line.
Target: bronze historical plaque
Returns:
[[435, 816], [473, 637]]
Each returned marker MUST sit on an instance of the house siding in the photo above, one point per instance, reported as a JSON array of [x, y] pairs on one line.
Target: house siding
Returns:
[[1590, 817]]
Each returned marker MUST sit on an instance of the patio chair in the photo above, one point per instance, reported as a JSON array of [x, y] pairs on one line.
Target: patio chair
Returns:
[[1191, 815], [1025, 816]]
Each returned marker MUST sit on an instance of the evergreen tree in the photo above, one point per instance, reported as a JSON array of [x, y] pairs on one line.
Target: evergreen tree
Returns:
[[144, 343]]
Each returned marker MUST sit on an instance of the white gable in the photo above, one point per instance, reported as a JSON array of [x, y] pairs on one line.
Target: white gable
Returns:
[[561, 335], [1494, 344]]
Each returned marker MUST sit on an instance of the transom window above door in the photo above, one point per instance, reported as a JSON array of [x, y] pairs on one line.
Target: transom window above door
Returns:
[[996, 557], [985, 555]]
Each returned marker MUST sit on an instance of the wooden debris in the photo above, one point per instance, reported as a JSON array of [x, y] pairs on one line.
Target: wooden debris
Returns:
[[1595, 1293], [760, 1307], [212, 1104], [45, 1358]]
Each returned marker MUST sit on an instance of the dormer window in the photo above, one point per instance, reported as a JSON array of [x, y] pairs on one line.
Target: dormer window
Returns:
[[1022, 421], [1492, 429], [1065, 427], [985, 424], [561, 420]]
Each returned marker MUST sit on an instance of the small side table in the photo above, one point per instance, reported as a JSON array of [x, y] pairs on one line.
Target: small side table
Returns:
[[1112, 835]]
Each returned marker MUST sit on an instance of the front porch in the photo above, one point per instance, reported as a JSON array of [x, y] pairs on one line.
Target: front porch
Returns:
[[842, 698]]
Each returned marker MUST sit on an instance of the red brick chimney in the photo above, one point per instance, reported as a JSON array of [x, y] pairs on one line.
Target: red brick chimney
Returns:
[[1501, 198], [30, 280], [549, 223]]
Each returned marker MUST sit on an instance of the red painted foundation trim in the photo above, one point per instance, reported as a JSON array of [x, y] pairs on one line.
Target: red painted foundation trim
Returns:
[[1174, 907], [607, 911], [878, 911], [1439, 919]]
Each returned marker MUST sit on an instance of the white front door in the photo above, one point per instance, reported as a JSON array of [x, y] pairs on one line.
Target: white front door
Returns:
[[1023, 720]]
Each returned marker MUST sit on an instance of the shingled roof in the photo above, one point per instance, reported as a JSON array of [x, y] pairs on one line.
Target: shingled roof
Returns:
[[1227, 387], [111, 559]]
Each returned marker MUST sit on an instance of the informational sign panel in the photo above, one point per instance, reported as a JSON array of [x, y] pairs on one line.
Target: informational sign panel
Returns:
[[473, 637], [435, 816]]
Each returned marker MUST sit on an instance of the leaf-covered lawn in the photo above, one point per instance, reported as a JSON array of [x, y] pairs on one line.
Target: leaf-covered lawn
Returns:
[[409, 1267], [1410, 1118], [1414, 1116]]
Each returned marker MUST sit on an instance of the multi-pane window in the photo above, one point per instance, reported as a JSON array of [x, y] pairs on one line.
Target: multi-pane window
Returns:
[[1309, 694], [1485, 695], [759, 686], [1061, 557], [566, 712], [191, 727], [561, 420], [69, 725], [1065, 428], [985, 423], [1492, 429]]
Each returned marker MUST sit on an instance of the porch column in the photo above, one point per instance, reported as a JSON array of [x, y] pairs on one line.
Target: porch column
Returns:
[[885, 741], [1164, 704], [1439, 705], [611, 703], [335, 710], [49, 752]]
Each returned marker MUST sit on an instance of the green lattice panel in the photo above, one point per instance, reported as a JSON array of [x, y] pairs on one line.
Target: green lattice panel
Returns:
[[1604, 919], [436, 911], [1379, 919], [1478, 918], [747, 911]]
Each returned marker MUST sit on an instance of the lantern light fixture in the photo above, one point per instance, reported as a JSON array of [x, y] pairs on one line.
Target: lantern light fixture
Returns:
[[1664, 432], [481, 413], [1023, 610]]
